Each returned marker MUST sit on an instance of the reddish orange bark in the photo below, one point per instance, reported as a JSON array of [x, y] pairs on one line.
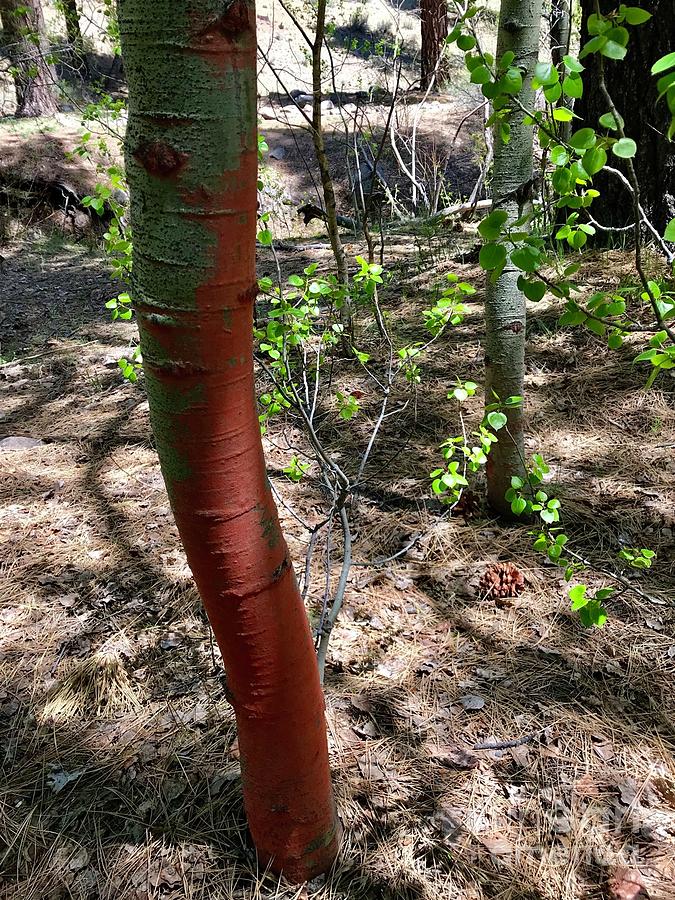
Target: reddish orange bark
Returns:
[[192, 170]]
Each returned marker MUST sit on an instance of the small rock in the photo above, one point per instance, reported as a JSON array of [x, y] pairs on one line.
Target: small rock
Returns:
[[19, 442], [472, 702], [277, 153], [170, 641]]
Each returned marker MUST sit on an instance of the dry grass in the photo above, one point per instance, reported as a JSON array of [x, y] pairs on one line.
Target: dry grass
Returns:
[[119, 762]]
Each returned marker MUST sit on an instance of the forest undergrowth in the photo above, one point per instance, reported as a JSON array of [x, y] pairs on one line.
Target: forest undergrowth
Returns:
[[119, 757]]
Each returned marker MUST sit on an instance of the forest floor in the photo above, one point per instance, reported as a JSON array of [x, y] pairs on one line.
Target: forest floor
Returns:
[[117, 746]]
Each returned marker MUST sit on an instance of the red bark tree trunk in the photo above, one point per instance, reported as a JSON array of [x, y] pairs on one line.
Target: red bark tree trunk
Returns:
[[191, 152]]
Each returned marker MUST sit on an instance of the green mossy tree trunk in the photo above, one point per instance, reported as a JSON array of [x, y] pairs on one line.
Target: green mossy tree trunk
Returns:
[[191, 155], [519, 28]]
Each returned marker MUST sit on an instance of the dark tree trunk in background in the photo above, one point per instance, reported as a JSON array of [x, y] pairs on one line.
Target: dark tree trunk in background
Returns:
[[560, 30], [434, 15], [73, 30], [634, 92], [23, 28]]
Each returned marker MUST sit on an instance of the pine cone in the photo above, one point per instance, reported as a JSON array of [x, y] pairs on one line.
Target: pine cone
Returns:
[[468, 505], [501, 580]]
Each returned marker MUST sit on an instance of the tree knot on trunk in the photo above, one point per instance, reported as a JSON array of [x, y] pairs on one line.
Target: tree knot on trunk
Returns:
[[159, 158], [235, 19], [281, 568], [248, 296]]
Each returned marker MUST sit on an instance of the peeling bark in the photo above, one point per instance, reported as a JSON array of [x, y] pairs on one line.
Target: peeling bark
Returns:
[[191, 154]]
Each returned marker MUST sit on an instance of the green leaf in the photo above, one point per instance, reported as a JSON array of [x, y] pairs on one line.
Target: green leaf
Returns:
[[572, 64], [496, 419], [545, 73], [664, 83], [533, 290], [583, 139], [511, 82], [626, 148], [669, 234], [613, 50], [553, 93], [526, 258], [559, 156], [518, 505], [634, 15], [562, 114], [607, 120], [593, 613], [573, 86], [466, 42], [596, 24], [662, 65], [492, 256], [295, 280], [594, 160], [577, 595], [577, 239], [491, 226], [592, 46], [480, 75]]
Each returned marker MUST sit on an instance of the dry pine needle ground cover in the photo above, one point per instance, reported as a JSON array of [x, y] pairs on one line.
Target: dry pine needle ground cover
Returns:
[[117, 748]]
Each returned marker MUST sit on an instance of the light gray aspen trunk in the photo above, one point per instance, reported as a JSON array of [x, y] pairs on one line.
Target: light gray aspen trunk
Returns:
[[519, 27]]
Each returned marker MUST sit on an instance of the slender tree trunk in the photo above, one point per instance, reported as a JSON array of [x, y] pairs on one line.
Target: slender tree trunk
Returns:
[[646, 121], [560, 34], [191, 154], [561, 25], [434, 15], [320, 149], [23, 26], [73, 30], [519, 27]]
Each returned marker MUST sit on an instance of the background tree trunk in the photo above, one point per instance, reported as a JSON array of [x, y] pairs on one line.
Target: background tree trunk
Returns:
[[34, 76], [320, 149], [519, 27], [561, 24], [191, 154], [73, 30], [434, 14], [634, 92]]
